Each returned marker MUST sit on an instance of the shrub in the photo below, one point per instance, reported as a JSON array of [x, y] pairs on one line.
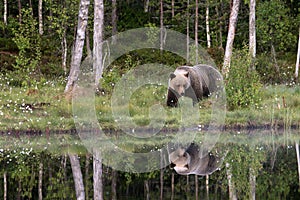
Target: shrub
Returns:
[[243, 83]]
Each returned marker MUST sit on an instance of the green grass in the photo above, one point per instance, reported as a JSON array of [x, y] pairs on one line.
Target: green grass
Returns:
[[280, 105]]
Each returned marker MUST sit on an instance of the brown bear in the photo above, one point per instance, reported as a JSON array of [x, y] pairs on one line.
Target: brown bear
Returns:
[[190, 161], [194, 82]]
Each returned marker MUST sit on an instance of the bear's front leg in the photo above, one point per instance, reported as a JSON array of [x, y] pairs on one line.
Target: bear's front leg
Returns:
[[172, 100]]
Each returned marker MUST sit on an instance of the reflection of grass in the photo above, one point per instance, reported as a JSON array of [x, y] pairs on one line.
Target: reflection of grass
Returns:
[[47, 107]]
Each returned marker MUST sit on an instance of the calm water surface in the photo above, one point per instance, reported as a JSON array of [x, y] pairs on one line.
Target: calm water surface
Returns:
[[260, 163]]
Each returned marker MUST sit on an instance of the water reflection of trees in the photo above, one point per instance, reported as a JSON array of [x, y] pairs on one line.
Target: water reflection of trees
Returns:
[[260, 164]]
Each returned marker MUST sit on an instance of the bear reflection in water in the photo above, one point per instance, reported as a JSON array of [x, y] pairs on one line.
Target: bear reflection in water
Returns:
[[190, 161]]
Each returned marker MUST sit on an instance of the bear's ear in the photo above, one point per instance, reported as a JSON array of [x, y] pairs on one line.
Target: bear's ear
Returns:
[[186, 74], [172, 75]]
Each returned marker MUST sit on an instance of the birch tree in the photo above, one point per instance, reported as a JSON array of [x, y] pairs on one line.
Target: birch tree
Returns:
[[20, 11], [196, 32], [231, 187], [188, 31], [207, 25], [77, 176], [98, 38], [5, 12], [298, 58], [40, 13], [5, 185], [79, 43], [114, 20], [161, 24], [146, 6], [252, 29], [230, 36], [97, 175], [40, 185], [298, 160]]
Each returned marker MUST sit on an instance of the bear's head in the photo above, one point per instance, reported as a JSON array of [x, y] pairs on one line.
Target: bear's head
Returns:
[[180, 160], [179, 82]]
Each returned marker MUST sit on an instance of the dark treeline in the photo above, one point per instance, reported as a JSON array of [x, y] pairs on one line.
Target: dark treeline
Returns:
[[42, 35]]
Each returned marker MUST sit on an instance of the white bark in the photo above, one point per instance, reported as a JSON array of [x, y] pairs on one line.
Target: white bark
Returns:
[[252, 180], [79, 43], [5, 12], [40, 192], [40, 12], [173, 9], [231, 187], [188, 32], [298, 58], [97, 175], [114, 20], [196, 33], [161, 24], [207, 26], [77, 176], [64, 52], [298, 160], [146, 8], [230, 37], [98, 38], [252, 29], [5, 185], [207, 185]]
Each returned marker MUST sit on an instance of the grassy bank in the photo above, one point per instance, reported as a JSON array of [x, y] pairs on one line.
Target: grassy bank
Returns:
[[46, 107]]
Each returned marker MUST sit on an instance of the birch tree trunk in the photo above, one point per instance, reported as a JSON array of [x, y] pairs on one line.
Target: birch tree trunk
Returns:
[[79, 43], [161, 182], [173, 9], [252, 180], [252, 30], [231, 188], [98, 38], [196, 187], [114, 20], [146, 7], [64, 52], [298, 161], [161, 25], [20, 11], [97, 175], [298, 58], [114, 175], [188, 32], [207, 185], [207, 25], [5, 185], [86, 181], [40, 186], [230, 37], [196, 32], [40, 13], [5, 12], [77, 176], [147, 189]]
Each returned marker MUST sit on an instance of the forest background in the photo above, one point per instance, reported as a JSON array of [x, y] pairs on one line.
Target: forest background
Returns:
[[38, 43]]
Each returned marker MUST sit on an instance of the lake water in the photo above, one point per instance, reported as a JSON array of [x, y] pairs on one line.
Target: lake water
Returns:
[[260, 163]]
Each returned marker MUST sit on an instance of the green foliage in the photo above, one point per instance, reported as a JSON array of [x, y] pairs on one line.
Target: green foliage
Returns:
[[28, 41], [275, 26], [243, 84]]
